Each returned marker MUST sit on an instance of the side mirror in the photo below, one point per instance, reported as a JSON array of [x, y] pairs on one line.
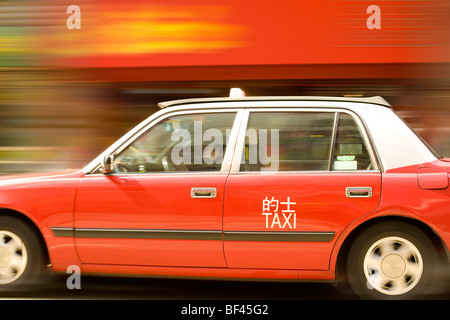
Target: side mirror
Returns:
[[108, 164]]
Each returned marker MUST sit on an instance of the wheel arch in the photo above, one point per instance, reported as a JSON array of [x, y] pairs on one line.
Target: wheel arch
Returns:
[[25, 219], [340, 263]]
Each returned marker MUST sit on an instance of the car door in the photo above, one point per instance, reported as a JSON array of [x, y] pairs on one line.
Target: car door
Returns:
[[163, 204], [302, 176]]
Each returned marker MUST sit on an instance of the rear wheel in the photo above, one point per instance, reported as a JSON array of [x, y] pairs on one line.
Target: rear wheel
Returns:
[[391, 261], [21, 256]]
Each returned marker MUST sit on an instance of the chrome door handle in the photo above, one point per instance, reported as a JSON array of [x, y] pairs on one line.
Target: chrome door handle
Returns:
[[203, 192], [358, 192]]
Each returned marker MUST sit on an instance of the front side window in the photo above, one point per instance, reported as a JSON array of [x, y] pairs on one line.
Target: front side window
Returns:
[[184, 143]]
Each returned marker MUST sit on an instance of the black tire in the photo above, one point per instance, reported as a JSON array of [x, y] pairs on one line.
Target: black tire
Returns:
[[21, 254], [392, 260]]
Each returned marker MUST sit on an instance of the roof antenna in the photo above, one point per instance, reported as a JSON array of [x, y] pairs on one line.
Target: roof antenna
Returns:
[[237, 93]]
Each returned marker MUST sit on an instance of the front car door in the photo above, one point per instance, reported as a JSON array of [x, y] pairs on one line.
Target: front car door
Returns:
[[163, 204], [300, 178]]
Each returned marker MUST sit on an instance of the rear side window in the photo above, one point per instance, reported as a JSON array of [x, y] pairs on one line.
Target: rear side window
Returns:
[[296, 141], [350, 151], [303, 141]]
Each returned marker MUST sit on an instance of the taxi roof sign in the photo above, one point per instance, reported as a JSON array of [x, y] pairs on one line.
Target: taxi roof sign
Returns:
[[237, 93]]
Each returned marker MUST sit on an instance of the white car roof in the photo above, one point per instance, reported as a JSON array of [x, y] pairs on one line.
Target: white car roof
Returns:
[[373, 100]]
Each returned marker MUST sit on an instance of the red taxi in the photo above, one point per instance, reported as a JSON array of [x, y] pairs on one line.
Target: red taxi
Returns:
[[280, 188]]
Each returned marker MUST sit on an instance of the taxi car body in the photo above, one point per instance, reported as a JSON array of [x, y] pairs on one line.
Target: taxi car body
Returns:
[[284, 188]]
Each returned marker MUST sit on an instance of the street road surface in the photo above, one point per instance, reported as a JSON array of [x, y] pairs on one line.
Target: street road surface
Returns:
[[108, 287]]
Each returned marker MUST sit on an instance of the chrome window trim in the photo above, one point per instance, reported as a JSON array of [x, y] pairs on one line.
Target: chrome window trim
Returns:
[[240, 142], [333, 141], [232, 141], [266, 173], [141, 174]]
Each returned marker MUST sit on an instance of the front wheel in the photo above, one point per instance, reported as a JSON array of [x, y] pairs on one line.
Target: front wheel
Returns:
[[21, 257], [391, 261]]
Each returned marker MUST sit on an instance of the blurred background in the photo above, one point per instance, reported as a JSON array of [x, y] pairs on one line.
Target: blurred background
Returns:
[[72, 82]]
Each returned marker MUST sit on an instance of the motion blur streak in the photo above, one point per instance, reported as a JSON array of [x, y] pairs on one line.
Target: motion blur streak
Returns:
[[66, 94]]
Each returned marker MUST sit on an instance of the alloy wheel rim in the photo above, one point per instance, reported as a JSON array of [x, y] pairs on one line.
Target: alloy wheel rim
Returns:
[[13, 257], [393, 266]]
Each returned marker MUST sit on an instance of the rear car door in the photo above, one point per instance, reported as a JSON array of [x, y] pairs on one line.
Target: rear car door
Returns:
[[298, 178], [163, 204]]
